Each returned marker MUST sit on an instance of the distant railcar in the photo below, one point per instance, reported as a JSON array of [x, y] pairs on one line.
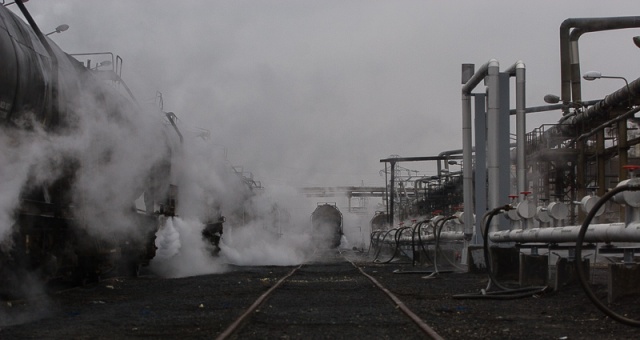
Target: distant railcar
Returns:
[[327, 226], [380, 221]]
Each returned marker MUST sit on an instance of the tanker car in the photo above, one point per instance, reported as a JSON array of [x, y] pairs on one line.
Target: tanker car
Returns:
[[51, 224], [380, 221], [326, 220]]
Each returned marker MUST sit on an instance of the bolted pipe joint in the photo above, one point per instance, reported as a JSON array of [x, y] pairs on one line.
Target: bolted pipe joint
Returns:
[[631, 199], [588, 202], [512, 215]]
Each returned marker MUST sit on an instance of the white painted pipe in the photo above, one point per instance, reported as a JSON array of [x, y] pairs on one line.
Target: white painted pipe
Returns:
[[519, 70], [493, 143], [614, 232], [629, 231], [467, 144]]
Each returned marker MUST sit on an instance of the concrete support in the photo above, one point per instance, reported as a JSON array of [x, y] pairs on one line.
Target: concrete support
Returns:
[[506, 263], [623, 280], [565, 273], [534, 270]]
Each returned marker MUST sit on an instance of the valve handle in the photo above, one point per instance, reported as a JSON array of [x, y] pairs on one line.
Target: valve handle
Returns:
[[631, 168]]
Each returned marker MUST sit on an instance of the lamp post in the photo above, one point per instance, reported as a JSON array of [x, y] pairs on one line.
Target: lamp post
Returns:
[[59, 29], [593, 75], [553, 99]]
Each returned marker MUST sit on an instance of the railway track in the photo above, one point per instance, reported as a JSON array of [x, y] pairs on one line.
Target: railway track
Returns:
[[327, 300], [334, 299]]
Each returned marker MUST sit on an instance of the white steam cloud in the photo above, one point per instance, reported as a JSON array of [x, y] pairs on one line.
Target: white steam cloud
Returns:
[[102, 161], [113, 159], [182, 250]]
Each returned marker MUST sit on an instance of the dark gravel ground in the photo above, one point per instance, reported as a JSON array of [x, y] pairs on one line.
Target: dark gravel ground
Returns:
[[322, 301], [565, 314]]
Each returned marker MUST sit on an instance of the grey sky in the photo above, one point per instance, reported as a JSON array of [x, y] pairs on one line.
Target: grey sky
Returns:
[[317, 92]]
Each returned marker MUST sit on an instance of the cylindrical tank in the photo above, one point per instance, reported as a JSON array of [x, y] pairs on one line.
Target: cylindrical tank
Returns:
[[379, 221], [327, 226], [25, 78]]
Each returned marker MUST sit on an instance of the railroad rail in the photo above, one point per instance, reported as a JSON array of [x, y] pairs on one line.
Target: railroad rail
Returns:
[[322, 297]]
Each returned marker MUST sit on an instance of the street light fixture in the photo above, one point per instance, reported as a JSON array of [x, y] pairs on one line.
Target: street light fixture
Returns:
[[553, 99], [59, 29], [636, 40], [593, 75]]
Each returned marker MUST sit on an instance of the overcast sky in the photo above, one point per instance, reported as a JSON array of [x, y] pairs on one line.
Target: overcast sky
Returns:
[[315, 93]]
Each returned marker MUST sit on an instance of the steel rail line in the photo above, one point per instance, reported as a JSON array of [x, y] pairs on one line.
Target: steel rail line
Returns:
[[237, 324], [416, 319]]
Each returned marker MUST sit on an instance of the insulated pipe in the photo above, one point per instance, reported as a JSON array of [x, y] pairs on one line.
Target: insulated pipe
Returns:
[[467, 160], [598, 110], [601, 108], [586, 25], [615, 232], [629, 231], [493, 142], [600, 127], [519, 70]]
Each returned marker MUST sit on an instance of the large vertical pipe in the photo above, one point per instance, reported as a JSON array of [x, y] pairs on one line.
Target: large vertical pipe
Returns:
[[521, 127], [387, 193], [392, 194], [467, 160], [623, 158], [467, 163], [519, 70], [480, 115], [493, 141], [600, 164], [574, 67]]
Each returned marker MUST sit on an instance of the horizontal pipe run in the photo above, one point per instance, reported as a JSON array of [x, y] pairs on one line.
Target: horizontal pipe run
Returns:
[[614, 232], [406, 239]]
